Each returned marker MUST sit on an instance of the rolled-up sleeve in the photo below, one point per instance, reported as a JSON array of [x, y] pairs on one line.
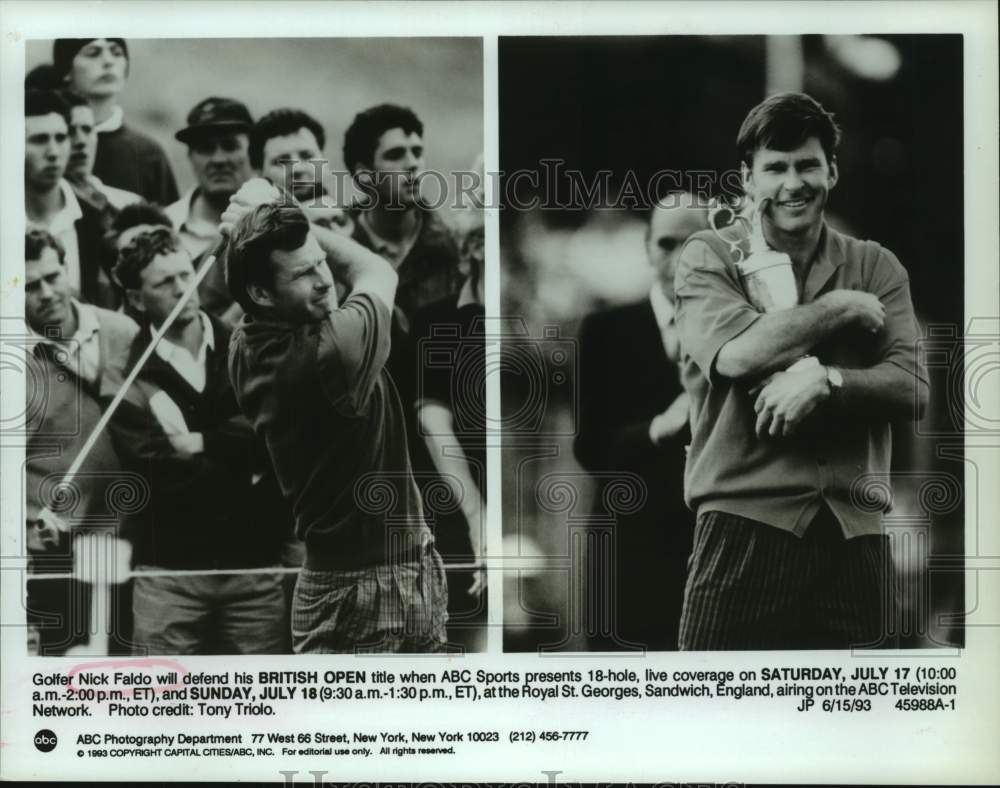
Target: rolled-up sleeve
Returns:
[[712, 308]]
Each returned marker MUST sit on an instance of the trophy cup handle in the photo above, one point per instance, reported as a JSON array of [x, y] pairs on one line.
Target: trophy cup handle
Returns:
[[756, 229], [730, 215]]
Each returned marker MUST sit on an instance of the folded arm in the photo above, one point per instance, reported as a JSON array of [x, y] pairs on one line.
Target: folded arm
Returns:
[[144, 447], [895, 387], [777, 339], [728, 338]]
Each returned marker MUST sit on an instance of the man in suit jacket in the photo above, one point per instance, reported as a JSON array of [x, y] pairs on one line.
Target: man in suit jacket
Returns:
[[213, 502], [633, 419]]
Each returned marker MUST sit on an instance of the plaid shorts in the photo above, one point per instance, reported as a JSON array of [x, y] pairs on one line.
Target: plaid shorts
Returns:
[[379, 609]]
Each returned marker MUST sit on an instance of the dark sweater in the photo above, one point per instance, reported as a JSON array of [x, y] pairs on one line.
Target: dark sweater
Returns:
[[97, 257], [430, 270], [128, 159], [319, 395], [204, 511]]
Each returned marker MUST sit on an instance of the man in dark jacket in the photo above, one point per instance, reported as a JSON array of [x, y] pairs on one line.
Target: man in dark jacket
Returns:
[[634, 419]]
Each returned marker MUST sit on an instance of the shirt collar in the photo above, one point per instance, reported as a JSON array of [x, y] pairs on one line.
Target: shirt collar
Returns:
[[87, 324], [832, 246], [166, 349], [663, 310], [180, 210], [829, 257], [467, 295], [398, 250], [180, 213], [112, 123], [71, 212]]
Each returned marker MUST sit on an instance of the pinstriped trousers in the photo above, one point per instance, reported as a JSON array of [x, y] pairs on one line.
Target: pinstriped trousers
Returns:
[[751, 586]]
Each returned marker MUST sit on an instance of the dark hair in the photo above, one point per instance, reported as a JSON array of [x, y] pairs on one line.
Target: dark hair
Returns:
[[141, 251], [280, 123], [267, 228], [472, 249], [64, 50], [44, 102], [361, 138], [37, 241], [139, 213], [43, 77], [783, 122]]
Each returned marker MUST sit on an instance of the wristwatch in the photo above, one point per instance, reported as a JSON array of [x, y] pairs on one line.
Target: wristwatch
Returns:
[[835, 381]]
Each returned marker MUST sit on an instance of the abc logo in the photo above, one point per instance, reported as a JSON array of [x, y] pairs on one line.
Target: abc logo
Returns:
[[45, 740]]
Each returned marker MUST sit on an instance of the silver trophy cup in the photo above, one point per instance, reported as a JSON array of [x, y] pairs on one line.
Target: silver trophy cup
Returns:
[[767, 276]]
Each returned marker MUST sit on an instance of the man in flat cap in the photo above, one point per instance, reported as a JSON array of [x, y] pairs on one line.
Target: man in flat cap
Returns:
[[97, 69], [218, 139]]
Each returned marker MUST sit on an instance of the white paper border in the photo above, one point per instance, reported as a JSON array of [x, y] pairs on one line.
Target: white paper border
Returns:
[[690, 742]]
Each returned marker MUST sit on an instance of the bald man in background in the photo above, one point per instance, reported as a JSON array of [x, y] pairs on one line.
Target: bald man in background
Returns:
[[634, 419]]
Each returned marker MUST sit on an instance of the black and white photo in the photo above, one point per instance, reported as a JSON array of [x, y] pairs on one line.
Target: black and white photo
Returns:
[[479, 393], [739, 457], [251, 525]]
